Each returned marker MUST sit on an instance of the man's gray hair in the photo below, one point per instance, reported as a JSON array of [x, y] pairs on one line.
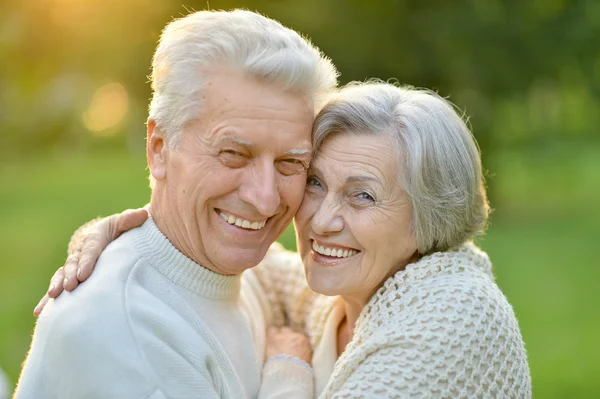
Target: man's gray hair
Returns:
[[439, 161], [258, 46]]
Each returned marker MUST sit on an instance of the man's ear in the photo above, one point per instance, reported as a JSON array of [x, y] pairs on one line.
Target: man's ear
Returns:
[[157, 151]]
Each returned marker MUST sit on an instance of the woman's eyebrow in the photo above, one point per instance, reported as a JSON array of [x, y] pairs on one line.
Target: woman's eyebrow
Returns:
[[315, 170], [352, 179]]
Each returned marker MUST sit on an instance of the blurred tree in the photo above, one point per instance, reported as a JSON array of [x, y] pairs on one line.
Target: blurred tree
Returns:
[[525, 72]]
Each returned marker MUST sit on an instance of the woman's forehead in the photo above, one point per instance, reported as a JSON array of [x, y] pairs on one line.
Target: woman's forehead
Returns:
[[349, 154]]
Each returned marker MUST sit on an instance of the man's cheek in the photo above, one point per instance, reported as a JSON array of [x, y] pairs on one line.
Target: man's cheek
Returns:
[[295, 190]]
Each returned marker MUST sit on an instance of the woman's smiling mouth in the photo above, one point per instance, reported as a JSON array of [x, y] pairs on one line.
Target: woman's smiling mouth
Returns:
[[333, 251]]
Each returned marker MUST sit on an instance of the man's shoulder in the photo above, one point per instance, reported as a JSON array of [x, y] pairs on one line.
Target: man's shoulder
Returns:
[[112, 317], [86, 333], [103, 301], [105, 288]]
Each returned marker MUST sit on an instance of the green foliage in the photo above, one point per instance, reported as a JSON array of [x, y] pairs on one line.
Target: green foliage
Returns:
[[525, 72]]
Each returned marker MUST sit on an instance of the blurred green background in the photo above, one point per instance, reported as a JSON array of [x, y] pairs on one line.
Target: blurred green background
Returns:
[[73, 98]]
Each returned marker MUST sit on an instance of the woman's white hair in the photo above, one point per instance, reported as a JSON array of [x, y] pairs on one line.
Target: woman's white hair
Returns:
[[258, 46], [439, 161]]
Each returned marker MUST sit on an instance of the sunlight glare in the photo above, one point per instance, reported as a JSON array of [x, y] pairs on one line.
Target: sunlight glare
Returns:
[[107, 109]]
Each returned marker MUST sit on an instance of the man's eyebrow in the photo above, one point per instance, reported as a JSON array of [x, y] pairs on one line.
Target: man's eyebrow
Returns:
[[352, 179], [298, 151], [236, 140], [246, 143]]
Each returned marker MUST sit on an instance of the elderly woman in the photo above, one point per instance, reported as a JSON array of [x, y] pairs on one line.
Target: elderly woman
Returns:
[[394, 297]]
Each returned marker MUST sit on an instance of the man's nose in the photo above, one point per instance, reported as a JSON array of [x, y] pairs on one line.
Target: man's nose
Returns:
[[260, 188]]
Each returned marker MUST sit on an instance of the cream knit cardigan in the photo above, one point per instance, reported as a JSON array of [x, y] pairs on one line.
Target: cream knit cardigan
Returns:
[[441, 328]]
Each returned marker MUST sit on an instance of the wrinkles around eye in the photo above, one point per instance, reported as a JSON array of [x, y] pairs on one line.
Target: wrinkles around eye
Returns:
[[233, 159], [291, 166]]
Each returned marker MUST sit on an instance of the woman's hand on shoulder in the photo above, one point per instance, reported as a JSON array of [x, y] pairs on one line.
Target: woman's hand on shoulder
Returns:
[[85, 248]]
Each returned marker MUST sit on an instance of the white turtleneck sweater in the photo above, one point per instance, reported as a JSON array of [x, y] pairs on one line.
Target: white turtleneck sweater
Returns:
[[151, 323]]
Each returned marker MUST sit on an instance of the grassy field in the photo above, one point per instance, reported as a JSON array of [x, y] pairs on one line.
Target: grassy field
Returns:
[[542, 242]]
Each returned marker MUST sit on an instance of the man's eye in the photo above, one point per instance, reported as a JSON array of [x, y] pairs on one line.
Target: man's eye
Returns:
[[232, 152], [233, 159], [291, 166]]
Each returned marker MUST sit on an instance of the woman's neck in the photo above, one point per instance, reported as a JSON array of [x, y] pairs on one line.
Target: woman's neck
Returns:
[[354, 304], [352, 309]]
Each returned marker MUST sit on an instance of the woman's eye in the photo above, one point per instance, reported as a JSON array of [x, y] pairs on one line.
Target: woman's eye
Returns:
[[363, 195], [313, 181]]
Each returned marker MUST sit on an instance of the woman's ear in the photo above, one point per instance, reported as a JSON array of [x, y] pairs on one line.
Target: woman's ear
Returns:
[[157, 151]]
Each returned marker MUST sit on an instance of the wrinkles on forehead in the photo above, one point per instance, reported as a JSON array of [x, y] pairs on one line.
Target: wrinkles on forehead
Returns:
[[359, 158], [254, 114]]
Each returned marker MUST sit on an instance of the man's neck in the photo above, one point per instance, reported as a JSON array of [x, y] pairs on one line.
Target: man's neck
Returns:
[[168, 222]]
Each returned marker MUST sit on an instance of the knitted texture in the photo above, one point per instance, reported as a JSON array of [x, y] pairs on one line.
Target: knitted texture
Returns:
[[441, 328]]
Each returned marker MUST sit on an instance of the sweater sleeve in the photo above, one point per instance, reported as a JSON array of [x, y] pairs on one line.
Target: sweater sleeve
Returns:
[[448, 339], [286, 377]]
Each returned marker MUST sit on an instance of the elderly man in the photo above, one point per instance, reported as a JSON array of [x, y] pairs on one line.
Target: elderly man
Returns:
[[228, 146]]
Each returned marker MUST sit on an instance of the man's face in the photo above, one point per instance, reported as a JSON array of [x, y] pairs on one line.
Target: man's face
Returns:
[[237, 177]]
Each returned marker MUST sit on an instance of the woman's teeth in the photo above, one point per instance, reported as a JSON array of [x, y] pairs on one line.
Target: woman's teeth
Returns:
[[336, 252], [244, 224]]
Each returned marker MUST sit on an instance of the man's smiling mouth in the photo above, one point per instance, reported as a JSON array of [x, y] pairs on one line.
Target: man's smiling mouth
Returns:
[[243, 223]]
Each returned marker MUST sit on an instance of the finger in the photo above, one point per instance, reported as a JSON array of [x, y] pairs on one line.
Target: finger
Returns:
[[56, 283], [70, 268], [129, 219], [40, 306], [70, 282], [90, 253], [102, 234]]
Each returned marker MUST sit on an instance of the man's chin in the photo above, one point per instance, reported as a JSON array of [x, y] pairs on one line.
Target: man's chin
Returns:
[[236, 261]]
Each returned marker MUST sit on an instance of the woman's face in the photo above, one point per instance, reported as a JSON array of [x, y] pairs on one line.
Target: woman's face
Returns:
[[354, 224]]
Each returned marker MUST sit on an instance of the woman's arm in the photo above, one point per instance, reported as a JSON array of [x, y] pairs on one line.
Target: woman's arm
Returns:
[[281, 275], [287, 373], [85, 247]]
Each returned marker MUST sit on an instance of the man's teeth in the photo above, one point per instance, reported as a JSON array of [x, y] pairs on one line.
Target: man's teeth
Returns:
[[245, 224], [336, 252]]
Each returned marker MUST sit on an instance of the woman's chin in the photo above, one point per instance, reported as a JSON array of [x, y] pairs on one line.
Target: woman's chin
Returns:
[[322, 284], [324, 290]]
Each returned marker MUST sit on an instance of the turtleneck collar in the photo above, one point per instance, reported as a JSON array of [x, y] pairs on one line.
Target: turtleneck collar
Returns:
[[158, 251]]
